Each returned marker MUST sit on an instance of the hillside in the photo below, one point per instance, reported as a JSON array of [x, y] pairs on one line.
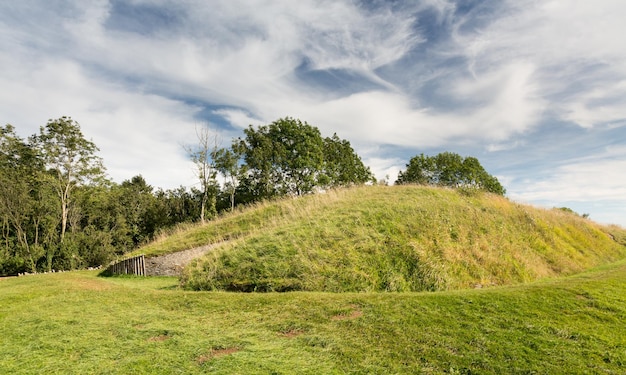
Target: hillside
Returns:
[[400, 238]]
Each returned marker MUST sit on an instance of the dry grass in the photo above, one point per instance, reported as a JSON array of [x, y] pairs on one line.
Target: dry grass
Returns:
[[399, 238]]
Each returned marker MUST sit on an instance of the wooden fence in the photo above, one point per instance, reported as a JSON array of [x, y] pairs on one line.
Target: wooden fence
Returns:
[[131, 266]]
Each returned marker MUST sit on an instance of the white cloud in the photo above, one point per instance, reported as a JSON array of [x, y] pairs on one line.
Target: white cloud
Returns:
[[245, 58], [386, 169], [594, 177], [507, 98], [243, 55], [507, 106], [136, 133], [493, 80], [591, 184], [576, 46], [601, 105], [240, 119]]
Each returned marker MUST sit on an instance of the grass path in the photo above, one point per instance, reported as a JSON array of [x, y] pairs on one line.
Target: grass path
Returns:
[[77, 323]]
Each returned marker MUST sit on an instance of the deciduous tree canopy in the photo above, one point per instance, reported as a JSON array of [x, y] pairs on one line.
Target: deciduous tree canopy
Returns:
[[450, 170], [70, 158], [291, 157]]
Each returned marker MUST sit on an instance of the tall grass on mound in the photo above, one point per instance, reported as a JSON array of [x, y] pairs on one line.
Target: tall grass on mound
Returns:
[[403, 238], [231, 226]]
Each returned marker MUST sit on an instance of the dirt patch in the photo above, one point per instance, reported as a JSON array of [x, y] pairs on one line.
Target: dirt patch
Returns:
[[292, 333], [355, 313], [173, 264], [159, 338], [216, 353], [96, 285], [352, 315]]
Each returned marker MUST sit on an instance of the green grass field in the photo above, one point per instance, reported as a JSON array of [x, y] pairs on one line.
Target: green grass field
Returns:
[[552, 297], [79, 323]]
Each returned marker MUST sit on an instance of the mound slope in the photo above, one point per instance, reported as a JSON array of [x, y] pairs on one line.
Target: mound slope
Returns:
[[400, 238]]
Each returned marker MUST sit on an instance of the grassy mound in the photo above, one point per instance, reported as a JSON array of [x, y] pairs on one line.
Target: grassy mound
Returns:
[[401, 238]]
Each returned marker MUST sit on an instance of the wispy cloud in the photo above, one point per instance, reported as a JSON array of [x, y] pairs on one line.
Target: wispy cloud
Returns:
[[580, 62], [590, 184], [595, 176], [492, 78]]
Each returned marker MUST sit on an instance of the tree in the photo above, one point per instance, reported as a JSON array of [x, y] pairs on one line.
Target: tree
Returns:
[[342, 166], [449, 170], [420, 170], [181, 205], [475, 176], [203, 156], [227, 163], [57, 211], [284, 157], [20, 170], [70, 159], [291, 157]]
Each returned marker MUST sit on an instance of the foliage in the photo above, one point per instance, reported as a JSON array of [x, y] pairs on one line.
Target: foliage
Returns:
[[570, 211], [21, 169], [285, 157], [449, 170], [70, 160], [204, 156], [227, 163], [55, 324], [288, 157], [343, 167], [57, 212]]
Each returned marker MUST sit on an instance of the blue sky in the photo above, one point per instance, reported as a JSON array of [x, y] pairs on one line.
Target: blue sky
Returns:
[[536, 90]]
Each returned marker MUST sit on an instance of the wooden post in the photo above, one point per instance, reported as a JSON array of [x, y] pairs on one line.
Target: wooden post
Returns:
[[131, 266]]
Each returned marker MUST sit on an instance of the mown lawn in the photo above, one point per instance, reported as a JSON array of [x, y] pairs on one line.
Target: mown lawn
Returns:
[[79, 323]]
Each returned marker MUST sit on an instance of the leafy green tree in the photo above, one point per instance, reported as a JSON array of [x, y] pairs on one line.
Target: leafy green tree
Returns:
[[257, 148], [420, 170], [182, 205], [475, 176], [71, 160], [291, 157], [104, 229], [20, 170], [45, 219], [284, 157], [58, 212], [227, 163], [342, 166], [449, 170], [137, 199]]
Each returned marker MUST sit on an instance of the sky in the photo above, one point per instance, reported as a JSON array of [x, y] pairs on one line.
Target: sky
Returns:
[[535, 89]]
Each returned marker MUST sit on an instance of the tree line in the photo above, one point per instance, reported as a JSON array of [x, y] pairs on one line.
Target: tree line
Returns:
[[59, 211]]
